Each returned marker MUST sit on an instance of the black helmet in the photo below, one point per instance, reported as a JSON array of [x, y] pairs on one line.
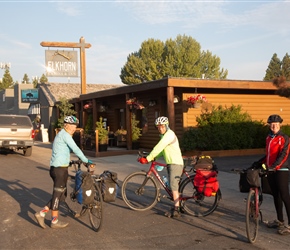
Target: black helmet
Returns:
[[274, 118]]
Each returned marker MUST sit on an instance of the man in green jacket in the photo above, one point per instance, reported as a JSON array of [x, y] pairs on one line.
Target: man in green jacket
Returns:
[[168, 147]]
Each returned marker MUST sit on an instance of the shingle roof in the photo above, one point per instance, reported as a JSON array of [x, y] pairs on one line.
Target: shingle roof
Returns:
[[54, 91]]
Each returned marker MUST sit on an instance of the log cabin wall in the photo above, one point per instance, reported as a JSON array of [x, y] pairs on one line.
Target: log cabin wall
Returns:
[[258, 98]]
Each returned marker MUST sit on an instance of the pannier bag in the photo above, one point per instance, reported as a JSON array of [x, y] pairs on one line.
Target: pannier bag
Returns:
[[109, 185], [244, 185], [266, 189], [84, 187], [204, 162], [206, 182]]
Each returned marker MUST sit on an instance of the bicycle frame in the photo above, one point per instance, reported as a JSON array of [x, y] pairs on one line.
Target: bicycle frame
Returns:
[[152, 170]]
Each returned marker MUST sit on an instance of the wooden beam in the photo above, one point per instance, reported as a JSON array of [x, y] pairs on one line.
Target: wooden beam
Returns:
[[170, 107]]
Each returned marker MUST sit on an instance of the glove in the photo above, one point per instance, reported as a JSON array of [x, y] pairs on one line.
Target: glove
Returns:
[[143, 160], [91, 167]]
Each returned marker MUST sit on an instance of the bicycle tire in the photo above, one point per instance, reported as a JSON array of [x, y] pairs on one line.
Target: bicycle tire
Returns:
[[96, 209], [252, 218], [197, 204], [137, 198], [74, 208]]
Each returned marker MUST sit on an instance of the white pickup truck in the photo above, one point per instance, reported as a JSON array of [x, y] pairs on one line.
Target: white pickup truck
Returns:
[[16, 133]]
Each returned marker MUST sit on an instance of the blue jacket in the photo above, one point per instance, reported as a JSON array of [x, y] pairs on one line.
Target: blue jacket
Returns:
[[62, 146]]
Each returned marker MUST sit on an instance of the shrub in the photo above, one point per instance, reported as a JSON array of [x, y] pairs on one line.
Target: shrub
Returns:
[[225, 128]]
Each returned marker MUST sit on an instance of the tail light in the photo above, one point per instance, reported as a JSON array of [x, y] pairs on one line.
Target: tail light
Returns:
[[32, 133]]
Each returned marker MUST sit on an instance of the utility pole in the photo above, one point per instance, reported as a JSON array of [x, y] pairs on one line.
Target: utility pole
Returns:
[[82, 46]]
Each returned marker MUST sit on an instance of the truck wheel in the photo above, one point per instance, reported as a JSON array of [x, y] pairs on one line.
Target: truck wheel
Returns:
[[27, 151]]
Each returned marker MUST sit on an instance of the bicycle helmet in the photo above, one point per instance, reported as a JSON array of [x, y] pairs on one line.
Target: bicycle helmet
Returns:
[[162, 120], [71, 120], [274, 118]]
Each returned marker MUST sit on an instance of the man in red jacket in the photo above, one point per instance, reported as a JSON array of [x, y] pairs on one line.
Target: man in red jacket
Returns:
[[277, 153]]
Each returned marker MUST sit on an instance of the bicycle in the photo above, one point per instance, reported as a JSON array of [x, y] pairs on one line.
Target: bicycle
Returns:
[[254, 201], [141, 191], [95, 210]]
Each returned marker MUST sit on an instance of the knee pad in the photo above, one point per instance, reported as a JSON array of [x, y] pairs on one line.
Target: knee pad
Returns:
[[58, 195]]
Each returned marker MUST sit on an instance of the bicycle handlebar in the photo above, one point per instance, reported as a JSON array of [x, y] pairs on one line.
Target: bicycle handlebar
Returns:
[[79, 162]]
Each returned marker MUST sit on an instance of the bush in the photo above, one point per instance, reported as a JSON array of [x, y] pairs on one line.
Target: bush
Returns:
[[224, 129]]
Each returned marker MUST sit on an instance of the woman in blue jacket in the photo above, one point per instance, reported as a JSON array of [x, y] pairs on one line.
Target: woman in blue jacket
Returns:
[[62, 146]]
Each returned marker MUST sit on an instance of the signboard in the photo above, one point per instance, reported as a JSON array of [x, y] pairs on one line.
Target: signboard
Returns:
[[61, 63], [29, 95]]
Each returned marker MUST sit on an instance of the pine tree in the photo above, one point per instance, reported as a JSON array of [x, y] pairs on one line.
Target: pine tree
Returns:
[[43, 79], [285, 69], [25, 79], [7, 80], [65, 109], [274, 68]]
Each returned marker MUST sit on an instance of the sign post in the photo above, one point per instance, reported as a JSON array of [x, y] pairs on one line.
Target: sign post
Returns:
[[82, 46]]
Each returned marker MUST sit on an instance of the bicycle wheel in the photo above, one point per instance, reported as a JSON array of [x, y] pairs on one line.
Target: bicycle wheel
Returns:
[[252, 217], [194, 202], [96, 209], [140, 192], [73, 207]]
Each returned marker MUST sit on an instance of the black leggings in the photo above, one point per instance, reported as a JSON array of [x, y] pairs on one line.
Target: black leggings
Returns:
[[59, 176], [279, 183]]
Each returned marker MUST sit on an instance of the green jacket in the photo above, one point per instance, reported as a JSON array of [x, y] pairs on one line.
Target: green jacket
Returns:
[[168, 147]]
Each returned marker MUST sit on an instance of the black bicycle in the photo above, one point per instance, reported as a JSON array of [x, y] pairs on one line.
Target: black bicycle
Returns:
[[95, 209]]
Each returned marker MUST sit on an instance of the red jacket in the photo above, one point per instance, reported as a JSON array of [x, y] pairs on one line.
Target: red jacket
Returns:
[[277, 151]]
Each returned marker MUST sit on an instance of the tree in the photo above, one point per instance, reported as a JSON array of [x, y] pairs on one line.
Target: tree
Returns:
[[281, 84], [43, 79], [285, 69], [277, 68], [65, 109], [7, 80], [25, 79], [181, 57]]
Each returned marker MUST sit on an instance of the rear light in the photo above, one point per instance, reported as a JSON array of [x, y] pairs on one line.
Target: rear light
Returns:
[[32, 133]]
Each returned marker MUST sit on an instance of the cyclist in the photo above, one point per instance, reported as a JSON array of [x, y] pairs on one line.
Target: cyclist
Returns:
[[62, 146], [168, 146], [277, 154]]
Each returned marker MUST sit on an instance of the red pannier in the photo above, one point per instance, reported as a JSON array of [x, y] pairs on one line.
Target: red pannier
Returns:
[[206, 182]]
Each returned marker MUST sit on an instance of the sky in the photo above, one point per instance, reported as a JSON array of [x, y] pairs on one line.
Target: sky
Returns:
[[243, 34]]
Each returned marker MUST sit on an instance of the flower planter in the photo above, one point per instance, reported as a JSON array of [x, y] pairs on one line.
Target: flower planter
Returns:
[[196, 105], [103, 147]]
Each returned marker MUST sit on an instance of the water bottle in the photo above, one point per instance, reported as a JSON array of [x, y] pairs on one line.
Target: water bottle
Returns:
[[165, 180]]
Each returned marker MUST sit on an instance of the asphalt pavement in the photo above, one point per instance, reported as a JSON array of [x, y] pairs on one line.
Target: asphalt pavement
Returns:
[[25, 189]]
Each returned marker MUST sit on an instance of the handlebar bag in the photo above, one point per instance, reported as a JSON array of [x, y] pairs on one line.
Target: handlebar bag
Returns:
[[253, 177], [84, 187]]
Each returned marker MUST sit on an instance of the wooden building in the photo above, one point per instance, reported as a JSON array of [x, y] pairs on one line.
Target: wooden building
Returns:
[[167, 97]]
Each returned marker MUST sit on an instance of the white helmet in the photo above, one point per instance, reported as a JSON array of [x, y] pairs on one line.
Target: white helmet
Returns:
[[162, 120], [71, 120]]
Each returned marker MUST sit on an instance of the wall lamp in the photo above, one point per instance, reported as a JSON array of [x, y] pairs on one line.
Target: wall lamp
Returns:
[[176, 99]]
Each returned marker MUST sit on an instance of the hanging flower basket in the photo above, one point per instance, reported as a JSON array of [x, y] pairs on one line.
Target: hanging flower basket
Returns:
[[196, 101], [196, 105], [89, 105], [134, 103]]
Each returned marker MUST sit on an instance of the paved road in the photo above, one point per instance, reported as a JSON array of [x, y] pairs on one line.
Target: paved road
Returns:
[[25, 187]]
